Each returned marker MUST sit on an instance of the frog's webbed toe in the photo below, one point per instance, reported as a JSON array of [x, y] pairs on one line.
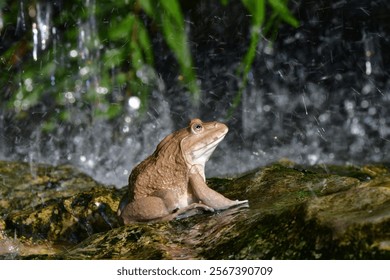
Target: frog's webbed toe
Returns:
[[241, 203], [220, 202], [188, 211]]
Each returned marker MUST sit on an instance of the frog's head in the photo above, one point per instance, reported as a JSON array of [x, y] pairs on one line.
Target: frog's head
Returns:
[[201, 140]]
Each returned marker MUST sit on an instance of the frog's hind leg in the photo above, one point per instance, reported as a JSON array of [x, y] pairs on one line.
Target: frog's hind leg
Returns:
[[153, 209], [144, 209]]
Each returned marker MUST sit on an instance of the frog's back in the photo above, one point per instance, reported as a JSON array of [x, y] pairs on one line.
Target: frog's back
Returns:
[[164, 169]]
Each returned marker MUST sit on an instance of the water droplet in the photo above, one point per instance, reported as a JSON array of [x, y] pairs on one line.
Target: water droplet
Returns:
[[313, 158], [349, 106], [73, 53], [90, 163], [367, 88], [17, 104], [102, 90], [28, 84], [324, 117], [372, 111], [35, 41], [356, 128], [269, 49], [84, 70], [338, 77], [134, 102], [25, 105], [364, 104], [126, 129], [368, 68], [266, 108], [1, 21], [70, 97]]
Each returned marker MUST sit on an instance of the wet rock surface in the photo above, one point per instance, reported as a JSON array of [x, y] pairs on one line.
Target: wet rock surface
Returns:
[[296, 212]]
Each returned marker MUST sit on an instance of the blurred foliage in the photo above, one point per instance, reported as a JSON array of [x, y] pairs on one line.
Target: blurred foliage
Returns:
[[56, 56], [257, 9]]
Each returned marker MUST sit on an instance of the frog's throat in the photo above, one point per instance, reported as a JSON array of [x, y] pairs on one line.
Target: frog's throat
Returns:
[[201, 155]]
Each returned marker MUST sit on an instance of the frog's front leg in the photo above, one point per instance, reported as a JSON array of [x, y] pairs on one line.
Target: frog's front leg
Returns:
[[208, 196]]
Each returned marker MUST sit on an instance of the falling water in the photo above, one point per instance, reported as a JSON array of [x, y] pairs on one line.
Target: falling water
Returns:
[[318, 94]]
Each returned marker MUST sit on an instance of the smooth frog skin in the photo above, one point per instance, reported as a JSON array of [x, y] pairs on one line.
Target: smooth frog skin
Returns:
[[172, 181]]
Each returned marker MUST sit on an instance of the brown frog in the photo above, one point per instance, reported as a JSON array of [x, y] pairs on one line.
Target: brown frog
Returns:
[[172, 181]]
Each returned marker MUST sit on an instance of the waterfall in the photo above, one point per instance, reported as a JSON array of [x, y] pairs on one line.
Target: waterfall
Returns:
[[318, 93]]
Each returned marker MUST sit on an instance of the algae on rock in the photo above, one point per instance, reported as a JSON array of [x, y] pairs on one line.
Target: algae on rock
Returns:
[[296, 212]]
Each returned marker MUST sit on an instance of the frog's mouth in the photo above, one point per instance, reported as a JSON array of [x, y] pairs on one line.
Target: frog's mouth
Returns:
[[212, 145], [202, 154]]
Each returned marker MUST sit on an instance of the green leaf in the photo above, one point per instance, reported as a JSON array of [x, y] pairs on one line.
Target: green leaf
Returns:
[[224, 2], [113, 110], [177, 41], [2, 3], [247, 4], [175, 38], [139, 89], [148, 7], [121, 78], [280, 7], [136, 55], [144, 42], [257, 10], [172, 8], [114, 57], [121, 30], [49, 125], [64, 115], [271, 24], [258, 13]]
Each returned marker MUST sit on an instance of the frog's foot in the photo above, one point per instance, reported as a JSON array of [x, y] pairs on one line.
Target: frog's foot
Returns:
[[188, 211], [239, 204], [219, 202], [198, 208]]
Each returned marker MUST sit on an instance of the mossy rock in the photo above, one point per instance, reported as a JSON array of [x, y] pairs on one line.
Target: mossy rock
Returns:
[[132, 242], [25, 185], [296, 212], [68, 220]]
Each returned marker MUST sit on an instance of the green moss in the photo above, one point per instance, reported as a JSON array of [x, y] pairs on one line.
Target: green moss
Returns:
[[295, 213]]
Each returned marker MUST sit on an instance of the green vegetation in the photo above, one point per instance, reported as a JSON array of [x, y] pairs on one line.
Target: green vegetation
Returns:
[[95, 55]]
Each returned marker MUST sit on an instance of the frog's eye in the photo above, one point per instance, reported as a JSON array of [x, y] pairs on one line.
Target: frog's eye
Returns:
[[197, 127]]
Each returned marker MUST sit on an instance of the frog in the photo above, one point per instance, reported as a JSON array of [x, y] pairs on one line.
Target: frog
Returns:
[[171, 182]]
